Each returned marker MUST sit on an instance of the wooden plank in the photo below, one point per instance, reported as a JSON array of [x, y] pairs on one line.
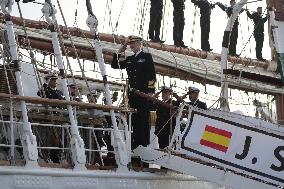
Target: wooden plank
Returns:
[[55, 102]]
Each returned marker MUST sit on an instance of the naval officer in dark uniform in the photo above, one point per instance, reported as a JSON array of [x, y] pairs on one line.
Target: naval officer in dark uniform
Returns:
[[258, 33], [156, 13], [178, 19], [49, 136], [166, 118], [142, 76], [235, 30], [205, 14], [49, 90], [193, 94]]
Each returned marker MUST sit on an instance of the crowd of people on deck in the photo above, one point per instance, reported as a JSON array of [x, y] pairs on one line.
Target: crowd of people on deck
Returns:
[[205, 7], [142, 77], [51, 136]]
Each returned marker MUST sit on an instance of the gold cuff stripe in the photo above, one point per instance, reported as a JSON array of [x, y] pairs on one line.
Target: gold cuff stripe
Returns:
[[151, 83]]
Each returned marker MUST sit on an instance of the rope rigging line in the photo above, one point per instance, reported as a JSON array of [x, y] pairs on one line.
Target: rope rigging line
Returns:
[[105, 15], [32, 55], [5, 71], [242, 35], [76, 14], [73, 46], [121, 78], [140, 17], [242, 61], [120, 11], [251, 35], [143, 18], [164, 28], [136, 16], [68, 62], [163, 19], [250, 48], [110, 17], [193, 27]]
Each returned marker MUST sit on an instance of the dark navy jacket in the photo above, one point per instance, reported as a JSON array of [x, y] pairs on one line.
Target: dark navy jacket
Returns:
[[205, 9], [50, 93], [258, 22], [140, 69], [199, 104]]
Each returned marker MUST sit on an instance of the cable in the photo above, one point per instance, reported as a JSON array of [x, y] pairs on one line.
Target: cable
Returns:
[[73, 46], [33, 59]]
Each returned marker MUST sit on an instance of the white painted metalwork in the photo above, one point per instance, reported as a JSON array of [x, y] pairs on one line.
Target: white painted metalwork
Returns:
[[249, 138], [19, 178], [207, 68], [27, 137], [77, 144], [121, 151], [224, 55], [199, 170]]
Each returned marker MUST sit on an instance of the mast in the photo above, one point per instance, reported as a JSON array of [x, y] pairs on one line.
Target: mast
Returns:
[[28, 139], [276, 20], [224, 54], [77, 144], [119, 145]]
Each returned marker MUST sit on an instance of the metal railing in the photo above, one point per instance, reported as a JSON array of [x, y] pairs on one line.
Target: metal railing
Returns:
[[11, 123]]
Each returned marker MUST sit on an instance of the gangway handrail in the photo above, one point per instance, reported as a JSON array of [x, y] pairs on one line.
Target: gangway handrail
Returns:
[[37, 100]]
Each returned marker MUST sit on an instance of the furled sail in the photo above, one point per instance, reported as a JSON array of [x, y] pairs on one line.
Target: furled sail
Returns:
[[182, 63]]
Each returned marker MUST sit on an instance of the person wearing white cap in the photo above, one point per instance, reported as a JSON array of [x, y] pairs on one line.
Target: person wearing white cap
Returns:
[[165, 121], [193, 94], [142, 76], [72, 92], [98, 121], [49, 90], [50, 135]]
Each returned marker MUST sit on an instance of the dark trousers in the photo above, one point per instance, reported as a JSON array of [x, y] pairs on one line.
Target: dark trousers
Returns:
[[178, 27], [259, 38], [156, 12], [107, 139], [140, 121], [233, 42], [205, 30], [163, 133]]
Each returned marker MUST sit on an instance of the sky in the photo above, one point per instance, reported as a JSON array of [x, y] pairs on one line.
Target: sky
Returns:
[[129, 14], [132, 18]]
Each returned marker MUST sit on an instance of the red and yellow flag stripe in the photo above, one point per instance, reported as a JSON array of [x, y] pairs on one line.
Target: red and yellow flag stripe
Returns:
[[216, 138]]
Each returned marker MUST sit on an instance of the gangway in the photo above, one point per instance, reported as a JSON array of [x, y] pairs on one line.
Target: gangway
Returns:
[[226, 148]]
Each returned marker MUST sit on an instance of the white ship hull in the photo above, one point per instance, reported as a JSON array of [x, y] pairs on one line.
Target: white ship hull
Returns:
[[46, 178]]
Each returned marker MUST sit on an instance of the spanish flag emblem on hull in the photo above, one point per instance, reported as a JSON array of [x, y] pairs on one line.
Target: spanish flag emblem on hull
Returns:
[[216, 138]]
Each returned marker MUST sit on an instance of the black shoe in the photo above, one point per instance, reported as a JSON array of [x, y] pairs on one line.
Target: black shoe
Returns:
[[156, 41], [236, 55], [184, 46], [207, 50], [161, 41], [261, 59]]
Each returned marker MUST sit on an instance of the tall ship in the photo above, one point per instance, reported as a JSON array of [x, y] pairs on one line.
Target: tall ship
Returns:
[[66, 121]]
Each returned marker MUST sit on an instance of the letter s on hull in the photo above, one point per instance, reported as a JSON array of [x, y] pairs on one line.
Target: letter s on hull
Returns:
[[280, 158]]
